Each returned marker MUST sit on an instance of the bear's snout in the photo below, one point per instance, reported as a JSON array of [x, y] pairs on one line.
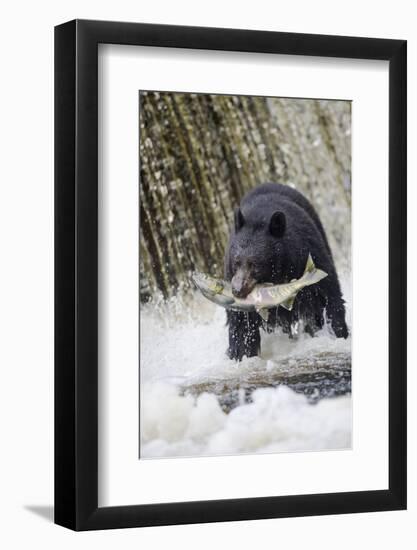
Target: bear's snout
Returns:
[[242, 284]]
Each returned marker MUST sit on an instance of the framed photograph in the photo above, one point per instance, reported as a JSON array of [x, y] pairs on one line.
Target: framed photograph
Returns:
[[230, 284]]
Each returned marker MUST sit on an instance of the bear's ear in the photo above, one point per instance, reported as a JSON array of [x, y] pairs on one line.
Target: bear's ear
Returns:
[[277, 224], [239, 219]]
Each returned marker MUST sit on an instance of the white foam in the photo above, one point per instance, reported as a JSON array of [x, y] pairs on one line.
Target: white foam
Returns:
[[183, 342], [277, 420]]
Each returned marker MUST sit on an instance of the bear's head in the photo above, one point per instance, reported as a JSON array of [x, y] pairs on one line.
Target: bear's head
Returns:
[[256, 250]]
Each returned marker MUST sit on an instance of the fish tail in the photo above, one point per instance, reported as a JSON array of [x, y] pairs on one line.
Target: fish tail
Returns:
[[311, 273], [310, 267]]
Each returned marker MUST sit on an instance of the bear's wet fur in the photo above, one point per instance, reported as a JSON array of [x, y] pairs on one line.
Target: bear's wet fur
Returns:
[[274, 231]]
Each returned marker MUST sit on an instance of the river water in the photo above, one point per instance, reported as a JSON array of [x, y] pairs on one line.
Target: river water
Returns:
[[194, 401]]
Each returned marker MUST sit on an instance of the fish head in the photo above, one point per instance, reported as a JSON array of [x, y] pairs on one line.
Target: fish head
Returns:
[[208, 285]]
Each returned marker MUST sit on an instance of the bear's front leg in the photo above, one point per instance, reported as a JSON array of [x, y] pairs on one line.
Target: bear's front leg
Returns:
[[244, 336], [336, 313], [335, 307]]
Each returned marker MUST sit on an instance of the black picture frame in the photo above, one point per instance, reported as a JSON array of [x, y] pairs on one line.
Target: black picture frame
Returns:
[[76, 272]]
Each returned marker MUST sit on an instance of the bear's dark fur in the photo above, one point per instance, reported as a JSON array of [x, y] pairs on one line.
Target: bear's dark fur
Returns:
[[275, 229]]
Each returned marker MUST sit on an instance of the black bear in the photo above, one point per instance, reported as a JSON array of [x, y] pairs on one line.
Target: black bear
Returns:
[[275, 228]]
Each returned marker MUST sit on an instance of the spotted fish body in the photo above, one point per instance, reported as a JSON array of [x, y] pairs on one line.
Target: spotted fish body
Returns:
[[263, 296]]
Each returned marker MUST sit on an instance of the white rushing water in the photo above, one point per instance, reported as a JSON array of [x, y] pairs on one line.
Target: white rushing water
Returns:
[[185, 371]]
